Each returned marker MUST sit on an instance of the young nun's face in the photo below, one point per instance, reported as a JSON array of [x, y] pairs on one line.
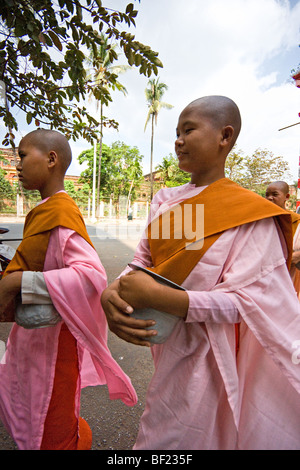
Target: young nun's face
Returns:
[[197, 142], [276, 195], [32, 165]]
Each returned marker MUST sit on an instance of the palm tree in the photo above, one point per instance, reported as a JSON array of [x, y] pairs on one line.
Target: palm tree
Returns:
[[170, 172], [166, 168], [154, 95], [104, 74]]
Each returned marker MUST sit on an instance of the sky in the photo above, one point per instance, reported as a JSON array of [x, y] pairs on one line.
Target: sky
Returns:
[[243, 49]]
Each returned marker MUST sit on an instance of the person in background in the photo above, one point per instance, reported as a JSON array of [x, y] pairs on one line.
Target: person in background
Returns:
[[278, 192]]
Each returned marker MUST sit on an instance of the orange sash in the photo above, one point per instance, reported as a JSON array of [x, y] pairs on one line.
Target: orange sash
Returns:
[[58, 210], [226, 205], [61, 425], [295, 273]]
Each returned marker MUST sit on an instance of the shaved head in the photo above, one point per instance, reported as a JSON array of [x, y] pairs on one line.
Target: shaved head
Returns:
[[221, 112], [50, 140], [281, 185]]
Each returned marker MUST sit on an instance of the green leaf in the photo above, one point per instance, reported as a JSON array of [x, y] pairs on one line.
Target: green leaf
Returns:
[[130, 57], [129, 8], [157, 62], [47, 40], [137, 60], [20, 28], [55, 39], [29, 118]]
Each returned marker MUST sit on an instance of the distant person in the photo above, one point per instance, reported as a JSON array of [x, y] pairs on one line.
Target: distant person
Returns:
[[278, 192], [59, 344], [130, 214], [228, 376]]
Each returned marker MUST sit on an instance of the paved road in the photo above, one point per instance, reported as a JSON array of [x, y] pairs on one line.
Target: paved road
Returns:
[[113, 424]]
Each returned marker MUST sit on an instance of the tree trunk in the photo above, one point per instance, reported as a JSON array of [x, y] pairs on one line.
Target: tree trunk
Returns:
[[13, 147], [129, 194], [100, 157]]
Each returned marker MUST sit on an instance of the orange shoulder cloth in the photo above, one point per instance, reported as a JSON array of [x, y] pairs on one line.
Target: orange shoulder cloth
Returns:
[[179, 237], [58, 210]]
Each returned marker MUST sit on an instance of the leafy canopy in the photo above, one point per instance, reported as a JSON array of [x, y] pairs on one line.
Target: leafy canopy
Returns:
[[121, 169], [170, 173], [42, 61], [255, 172]]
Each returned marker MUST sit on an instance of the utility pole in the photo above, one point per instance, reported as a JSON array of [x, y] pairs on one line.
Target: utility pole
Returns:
[[296, 77], [94, 183]]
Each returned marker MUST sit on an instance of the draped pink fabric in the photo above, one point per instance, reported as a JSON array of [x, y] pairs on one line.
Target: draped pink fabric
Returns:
[[75, 279], [201, 396]]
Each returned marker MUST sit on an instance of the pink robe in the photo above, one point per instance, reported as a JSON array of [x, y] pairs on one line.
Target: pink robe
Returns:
[[294, 272], [75, 279], [201, 396]]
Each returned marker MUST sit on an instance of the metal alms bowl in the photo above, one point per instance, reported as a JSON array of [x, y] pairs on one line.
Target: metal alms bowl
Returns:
[[165, 322]]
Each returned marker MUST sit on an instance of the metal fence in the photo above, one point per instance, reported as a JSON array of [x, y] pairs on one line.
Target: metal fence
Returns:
[[107, 208]]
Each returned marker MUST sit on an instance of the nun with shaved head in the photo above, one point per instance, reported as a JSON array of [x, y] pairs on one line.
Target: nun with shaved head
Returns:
[[51, 291], [278, 192], [227, 374]]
